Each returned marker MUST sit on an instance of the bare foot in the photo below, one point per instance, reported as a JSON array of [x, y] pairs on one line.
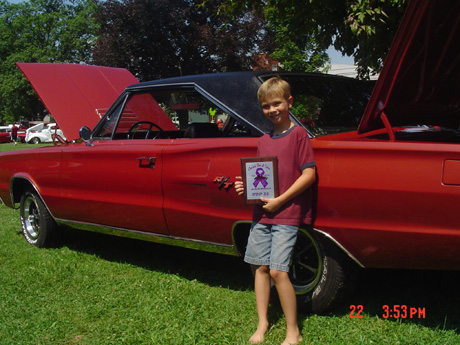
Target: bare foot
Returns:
[[259, 334], [292, 340]]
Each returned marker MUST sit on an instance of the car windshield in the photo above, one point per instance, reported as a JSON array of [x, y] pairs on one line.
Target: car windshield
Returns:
[[141, 115]]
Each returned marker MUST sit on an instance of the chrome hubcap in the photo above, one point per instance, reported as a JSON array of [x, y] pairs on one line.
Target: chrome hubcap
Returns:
[[31, 218], [306, 264]]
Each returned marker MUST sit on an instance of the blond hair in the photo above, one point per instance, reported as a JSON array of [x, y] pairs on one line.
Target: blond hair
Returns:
[[274, 86]]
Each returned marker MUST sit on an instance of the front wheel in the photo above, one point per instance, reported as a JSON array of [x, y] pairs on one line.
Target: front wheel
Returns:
[[317, 273], [38, 227], [35, 140]]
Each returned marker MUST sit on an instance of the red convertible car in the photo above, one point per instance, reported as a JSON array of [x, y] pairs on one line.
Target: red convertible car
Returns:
[[160, 162]]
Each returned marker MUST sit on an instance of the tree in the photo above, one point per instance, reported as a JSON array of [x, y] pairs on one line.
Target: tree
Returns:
[[165, 38], [39, 31], [298, 53], [363, 29], [234, 45]]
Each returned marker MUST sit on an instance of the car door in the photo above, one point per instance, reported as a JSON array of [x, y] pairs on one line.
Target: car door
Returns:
[[115, 179], [115, 183], [199, 164]]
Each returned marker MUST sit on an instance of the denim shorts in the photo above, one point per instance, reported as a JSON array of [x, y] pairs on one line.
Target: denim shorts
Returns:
[[271, 245]]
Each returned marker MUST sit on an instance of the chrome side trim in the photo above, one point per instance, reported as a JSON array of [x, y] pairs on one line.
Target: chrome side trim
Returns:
[[325, 234], [151, 237]]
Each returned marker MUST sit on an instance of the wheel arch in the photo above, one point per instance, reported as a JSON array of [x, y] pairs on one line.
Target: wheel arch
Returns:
[[320, 235], [322, 270], [18, 185], [240, 234], [31, 139]]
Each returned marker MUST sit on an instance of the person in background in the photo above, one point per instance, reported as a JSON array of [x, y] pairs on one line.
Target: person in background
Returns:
[[14, 134]]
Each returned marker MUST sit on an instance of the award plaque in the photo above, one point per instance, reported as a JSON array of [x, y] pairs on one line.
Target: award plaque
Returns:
[[260, 177]]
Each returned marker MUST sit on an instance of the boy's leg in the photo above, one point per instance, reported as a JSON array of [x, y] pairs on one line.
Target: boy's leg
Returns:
[[258, 255], [262, 292], [284, 239], [288, 302]]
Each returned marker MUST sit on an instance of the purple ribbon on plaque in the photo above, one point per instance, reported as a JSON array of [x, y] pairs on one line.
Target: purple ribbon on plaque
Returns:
[[260, 178]]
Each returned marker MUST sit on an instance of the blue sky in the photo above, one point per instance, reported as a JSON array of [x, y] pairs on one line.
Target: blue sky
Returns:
[[337, 58]]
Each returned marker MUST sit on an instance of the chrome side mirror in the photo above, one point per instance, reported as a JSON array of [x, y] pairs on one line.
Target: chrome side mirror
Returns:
[[85, 134]]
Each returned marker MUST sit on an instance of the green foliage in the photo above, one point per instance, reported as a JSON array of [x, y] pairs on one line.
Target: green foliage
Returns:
[[165, 38], [368, 31], [363, 29], [297, 53], [40, 31], [307, 109]]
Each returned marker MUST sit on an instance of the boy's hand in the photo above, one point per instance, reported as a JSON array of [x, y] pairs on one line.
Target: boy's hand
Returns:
[[239, 185], [271, 205]]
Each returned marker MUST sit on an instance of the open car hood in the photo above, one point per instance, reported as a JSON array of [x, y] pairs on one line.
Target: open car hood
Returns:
[[419, 84], [76, 95]]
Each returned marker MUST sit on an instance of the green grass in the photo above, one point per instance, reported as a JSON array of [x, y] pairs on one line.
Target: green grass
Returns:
[[95, 289], [20, 146]]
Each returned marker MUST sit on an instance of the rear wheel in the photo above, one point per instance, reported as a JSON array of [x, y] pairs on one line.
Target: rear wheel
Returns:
[[317, 273], [38, 227]]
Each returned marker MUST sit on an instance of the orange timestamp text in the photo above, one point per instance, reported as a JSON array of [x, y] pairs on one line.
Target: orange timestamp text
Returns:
[[395, 311]]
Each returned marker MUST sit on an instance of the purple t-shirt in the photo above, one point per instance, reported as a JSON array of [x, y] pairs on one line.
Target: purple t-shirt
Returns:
[[294, 152]]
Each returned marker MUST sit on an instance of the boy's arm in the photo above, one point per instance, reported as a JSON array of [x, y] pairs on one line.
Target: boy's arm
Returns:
[[304, 181]]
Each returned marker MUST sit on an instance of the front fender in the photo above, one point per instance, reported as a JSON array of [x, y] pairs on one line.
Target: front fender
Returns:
[[18, 184]]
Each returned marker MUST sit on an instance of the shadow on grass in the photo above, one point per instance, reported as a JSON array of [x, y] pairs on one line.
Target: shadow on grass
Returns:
[[209, 268], [433, 294]]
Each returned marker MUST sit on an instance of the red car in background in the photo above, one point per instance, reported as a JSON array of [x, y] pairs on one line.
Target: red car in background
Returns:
[[5, 136], [388, 182], [5, 133]]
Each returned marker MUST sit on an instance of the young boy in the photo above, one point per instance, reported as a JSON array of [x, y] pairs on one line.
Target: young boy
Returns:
[[276, 221]]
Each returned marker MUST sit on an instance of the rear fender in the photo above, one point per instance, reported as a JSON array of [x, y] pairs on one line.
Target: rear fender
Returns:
[[241, 229], [324, 236]]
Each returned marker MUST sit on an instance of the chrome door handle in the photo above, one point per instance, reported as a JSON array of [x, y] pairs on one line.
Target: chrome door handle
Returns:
[[147, 162]]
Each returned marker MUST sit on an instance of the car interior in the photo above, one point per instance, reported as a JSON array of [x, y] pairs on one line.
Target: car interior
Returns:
[[169, 115]]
